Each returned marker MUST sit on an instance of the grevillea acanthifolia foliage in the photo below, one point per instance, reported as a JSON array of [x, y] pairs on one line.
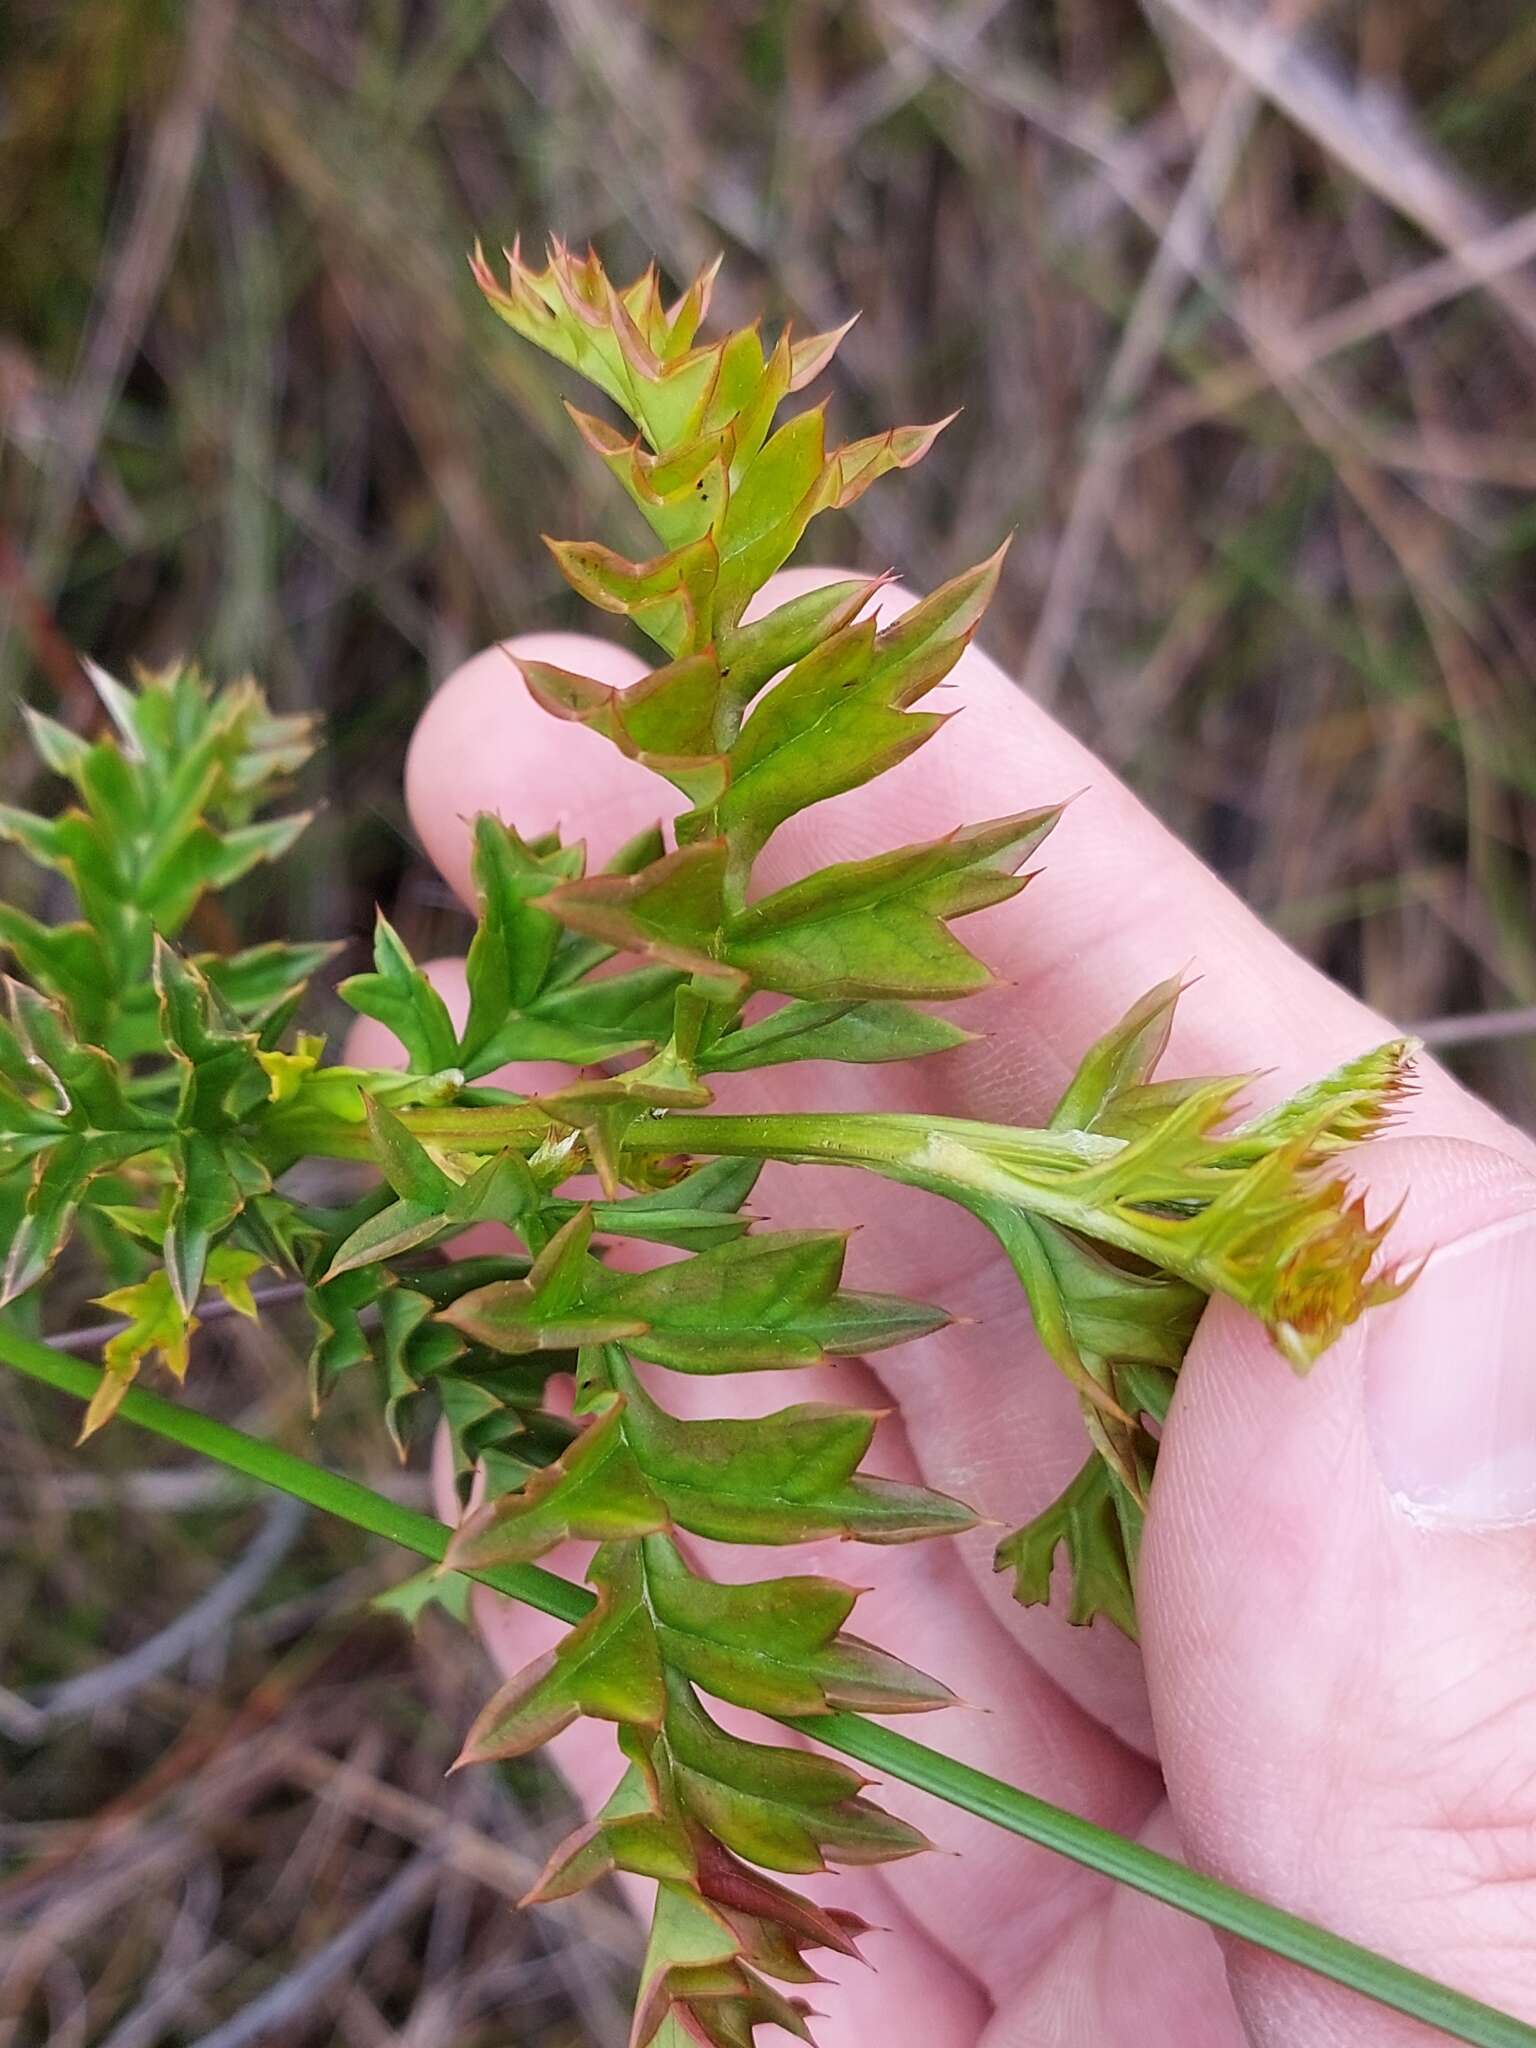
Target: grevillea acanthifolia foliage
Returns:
[[154, 1097]]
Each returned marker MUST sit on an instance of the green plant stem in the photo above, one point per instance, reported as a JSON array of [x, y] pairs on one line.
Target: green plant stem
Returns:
[[1051, 1827], [968, 1162], [885, 1141], [331, 1492]]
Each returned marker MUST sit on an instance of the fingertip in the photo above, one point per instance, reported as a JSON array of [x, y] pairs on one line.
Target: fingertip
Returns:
[[1308, 1626]]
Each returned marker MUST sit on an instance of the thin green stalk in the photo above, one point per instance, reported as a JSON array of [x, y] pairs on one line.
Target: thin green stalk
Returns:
[[1114, 1856], [886, 1142], [1204, 1898], [331, 1492]]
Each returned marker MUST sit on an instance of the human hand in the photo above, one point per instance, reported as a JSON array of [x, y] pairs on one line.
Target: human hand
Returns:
[[1335, 1706]]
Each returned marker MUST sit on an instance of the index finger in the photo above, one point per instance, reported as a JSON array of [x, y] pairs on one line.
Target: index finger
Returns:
[[1120, 906]]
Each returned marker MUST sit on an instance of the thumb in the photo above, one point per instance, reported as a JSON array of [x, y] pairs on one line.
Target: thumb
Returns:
[[1338, 1591]]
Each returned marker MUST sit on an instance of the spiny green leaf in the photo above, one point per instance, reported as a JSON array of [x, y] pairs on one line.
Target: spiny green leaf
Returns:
[[255, 980], [199, 859], [661, 383], [1097, 1316], [608, 1666], [47, 840], [66, 961], [229, 1271], [754, 1304], [208, 1196], [415, 1349], [1083, 1522], [924, 644], [686, 1935], [672, 328], [774, 1925], [759, 1303], [86, 1084], [1125, 1058], [514, 944], [677, 720], [700, 1209], [61, 1176], [533, 1036], [747, 391], [695, 1987], [413, 1596], [848, 1031], [785, 1478], [398, 995], [672, 910], [405, 1162], [671, 597], [63, 751], [786, 1809], [555, 312], [616, 1011], [118, 703], [830, 725], [595, 1492], [782, 491], [753, 653], [635, 1830], [810, 355], [858, 464], [157, 1322], [681, 494], [498, 1427], [561, 1304], [336, 1307], [221, 1078], [500, 1191], [878, 928], [251, 846], [776, 1645]]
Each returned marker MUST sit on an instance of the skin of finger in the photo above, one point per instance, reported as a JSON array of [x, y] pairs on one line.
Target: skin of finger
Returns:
[[1125, 905], [1134, 1971], [1346, 1699]]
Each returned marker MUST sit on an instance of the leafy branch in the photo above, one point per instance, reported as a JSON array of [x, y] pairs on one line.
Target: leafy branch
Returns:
[[153, 1103], [165, 815], [958, 1785]]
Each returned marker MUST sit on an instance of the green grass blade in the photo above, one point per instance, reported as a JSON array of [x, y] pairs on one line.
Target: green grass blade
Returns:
[[1457, 2016], [1205, 1898], [331, 1492]]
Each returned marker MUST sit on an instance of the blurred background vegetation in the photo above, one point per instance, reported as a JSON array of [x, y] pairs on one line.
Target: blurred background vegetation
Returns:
[[1240, 302]]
